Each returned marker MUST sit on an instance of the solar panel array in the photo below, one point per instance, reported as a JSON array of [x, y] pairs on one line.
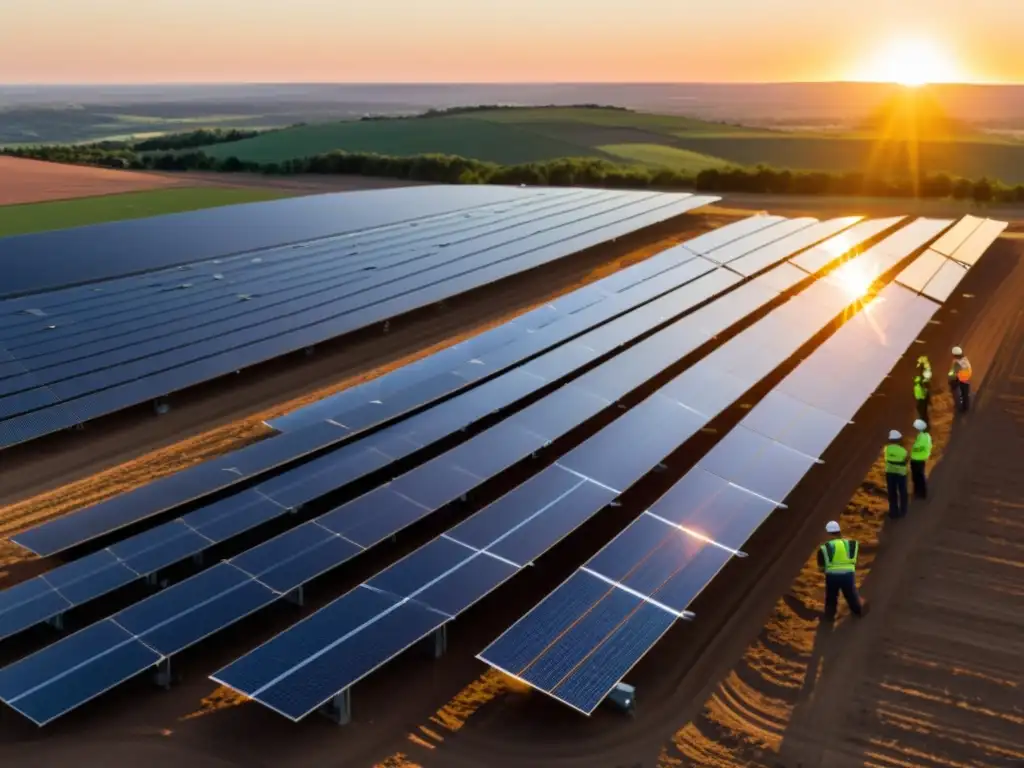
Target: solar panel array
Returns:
[[306, 666], [411, 387], [299, 555], [582, 639], [593, 347], [85, 352]]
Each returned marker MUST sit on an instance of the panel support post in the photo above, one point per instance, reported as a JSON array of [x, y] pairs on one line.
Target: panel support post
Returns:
[[197, 559], [297, 597], [161, 406], [57, 622], [163, 673], [439, 641], [339, 709]]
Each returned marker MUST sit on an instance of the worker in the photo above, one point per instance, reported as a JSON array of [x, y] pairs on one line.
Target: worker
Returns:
[[920, 452], [896, 475], [922, 387], [960, 379], [838, 559]]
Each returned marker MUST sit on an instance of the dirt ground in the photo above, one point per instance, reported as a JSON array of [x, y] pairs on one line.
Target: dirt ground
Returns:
[[932, 677], [32, 181]]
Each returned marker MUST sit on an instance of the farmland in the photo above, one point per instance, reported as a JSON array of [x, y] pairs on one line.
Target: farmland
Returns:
[[510, 136], [60, 214]]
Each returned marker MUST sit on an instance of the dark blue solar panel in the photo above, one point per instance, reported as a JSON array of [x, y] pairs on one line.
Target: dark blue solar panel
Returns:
[[757, 463], [552, 618], [288, 545], [592, 623], [497, 449], [351, 659], [286, 651], [424, 566], [81, 684], [454, 592], [515, 507], [653, 429], [562, 410], [303, 488], [201, 620], [374, 515], [689, 577], [435, 483], [301, 567], [564, 360], [710, 506], [27, 604], [41, 668], [180, 598], [35, 262], [552, 523], [600, 670], [232, 522], [707, 389], [160, 547]]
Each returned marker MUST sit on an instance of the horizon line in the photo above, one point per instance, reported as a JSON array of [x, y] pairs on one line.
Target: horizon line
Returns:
[[535, 83]]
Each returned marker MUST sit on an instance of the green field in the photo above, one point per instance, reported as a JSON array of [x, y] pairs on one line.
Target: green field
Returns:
[[511, 136], [40, 217]]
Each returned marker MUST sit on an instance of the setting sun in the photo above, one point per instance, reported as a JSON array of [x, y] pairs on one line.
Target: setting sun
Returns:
[[913, 62]]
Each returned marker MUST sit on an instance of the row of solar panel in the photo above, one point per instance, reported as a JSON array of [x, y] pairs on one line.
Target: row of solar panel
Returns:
[[295, 557], [580, 641], [394, 394], [254, 345], [205, 300], [37, 263], [302, 668], [759, 236], [939, 271], [719, 504], [141, 352], [112, 297], [90, 577]]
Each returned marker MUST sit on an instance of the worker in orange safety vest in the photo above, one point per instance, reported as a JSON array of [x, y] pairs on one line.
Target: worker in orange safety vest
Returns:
[[960, 379]]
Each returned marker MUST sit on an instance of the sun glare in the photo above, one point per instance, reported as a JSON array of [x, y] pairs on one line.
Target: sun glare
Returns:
[[912, 63], [853, 279]]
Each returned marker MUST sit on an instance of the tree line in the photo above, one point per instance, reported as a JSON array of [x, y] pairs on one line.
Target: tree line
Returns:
[[584, 171]]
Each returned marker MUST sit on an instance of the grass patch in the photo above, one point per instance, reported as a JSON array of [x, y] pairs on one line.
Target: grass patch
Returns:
[[477, 139], [665, 157], [61, 214]]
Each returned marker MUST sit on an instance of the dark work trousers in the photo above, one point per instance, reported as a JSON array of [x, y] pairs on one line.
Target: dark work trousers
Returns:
[[922, 408], [920, 480], [845, 583], [897, 487], [961, 394]]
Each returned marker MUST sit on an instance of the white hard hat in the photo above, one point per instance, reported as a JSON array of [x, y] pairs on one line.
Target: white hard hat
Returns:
[[832, 527], [920, 425], [957, 351], [895, 435]]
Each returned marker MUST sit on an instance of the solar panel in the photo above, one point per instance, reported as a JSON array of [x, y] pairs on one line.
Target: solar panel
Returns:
[[716, 238], [513, 530], [956, 235], [978, 242], [774, 252], [33, 263], [658, 571], [759, 239], [921, 270], [99, 392], [816, 258], [945, 281]]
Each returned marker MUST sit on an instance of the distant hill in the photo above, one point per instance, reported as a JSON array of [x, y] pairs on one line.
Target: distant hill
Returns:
[[891, 142]]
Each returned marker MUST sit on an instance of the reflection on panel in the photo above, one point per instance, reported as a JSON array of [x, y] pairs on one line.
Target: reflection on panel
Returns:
[[921, 270], [945, 281]]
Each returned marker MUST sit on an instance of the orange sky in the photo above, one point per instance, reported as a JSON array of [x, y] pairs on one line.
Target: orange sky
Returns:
[[499, 40]]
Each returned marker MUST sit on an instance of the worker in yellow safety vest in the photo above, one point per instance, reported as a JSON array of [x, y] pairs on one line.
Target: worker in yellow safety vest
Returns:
[[960, 379], [920, 452], [922, 387], [896, 475], [837, 557]]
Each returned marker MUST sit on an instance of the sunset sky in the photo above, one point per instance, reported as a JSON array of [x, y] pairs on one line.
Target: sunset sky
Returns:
[[132, 41]]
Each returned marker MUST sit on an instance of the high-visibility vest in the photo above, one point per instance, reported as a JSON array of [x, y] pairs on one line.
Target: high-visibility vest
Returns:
[[895, 459], [840, 556], [921, 450], [961, 369], [920, 389]]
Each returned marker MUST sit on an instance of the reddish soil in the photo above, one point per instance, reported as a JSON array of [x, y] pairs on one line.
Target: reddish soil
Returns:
[[32, 181], [932, 677]]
